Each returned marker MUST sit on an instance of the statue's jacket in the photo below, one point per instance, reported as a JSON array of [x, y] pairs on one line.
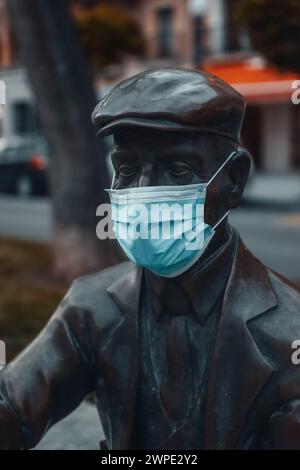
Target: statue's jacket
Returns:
[[90, 344]]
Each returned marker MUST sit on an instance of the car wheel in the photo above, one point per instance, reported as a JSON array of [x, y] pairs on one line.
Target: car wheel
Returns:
[[24, 187]]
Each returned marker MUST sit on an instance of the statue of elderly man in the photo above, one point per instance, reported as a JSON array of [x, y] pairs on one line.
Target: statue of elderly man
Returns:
[[188, 345]]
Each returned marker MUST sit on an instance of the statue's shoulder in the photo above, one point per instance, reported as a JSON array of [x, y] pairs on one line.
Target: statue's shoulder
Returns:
[[89, 291], [287, 293], [278, 331], [281, 324]]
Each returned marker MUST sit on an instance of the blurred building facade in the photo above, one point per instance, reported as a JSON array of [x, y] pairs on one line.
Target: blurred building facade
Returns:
[[19, 115], [190, 30], [201, 34]]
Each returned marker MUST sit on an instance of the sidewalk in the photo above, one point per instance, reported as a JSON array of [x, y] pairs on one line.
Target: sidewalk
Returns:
[[81, 430]]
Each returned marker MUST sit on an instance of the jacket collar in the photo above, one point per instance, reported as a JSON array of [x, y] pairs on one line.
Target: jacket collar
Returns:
[[202, 294]]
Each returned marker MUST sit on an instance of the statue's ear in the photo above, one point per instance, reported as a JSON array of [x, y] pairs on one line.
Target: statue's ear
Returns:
[[238, 170]]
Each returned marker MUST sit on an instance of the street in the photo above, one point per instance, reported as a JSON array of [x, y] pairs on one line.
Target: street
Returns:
[[81, 430], [30, 219], [273, 236]]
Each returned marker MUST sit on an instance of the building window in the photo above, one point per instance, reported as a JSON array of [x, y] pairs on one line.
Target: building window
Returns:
[[199, 50], [165, 32], [236, 37]]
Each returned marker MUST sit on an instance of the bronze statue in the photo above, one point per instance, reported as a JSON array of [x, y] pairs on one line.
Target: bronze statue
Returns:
[[196, 360]]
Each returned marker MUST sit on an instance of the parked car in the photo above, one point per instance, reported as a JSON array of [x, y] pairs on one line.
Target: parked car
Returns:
[[24, 167]]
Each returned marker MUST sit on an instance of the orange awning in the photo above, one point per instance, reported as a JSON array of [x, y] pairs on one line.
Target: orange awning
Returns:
[[257, 82]]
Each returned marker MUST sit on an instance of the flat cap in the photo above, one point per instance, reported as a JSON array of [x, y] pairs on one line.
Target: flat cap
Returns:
[[172, 99]]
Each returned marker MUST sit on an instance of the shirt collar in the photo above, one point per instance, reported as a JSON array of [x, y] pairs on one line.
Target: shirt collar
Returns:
[[203, 285]]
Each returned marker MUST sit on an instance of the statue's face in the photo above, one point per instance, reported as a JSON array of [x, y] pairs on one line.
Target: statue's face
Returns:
[[148, 158], [153, 158]]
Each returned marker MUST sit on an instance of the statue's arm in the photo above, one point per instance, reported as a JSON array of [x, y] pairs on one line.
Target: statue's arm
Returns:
[[284, 427], [47, 380]]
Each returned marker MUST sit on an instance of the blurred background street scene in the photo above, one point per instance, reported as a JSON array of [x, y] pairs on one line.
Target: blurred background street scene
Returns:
[[57, 59]]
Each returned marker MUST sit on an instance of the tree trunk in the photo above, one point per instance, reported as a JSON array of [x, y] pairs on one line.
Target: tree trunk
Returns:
[[58, 73]]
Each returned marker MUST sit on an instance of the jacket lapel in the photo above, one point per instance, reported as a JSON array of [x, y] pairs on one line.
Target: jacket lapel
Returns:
[[121, 355], [238, 370]]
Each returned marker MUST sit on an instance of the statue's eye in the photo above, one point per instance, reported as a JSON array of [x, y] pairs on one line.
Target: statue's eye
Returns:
[[180, 170], [128, 170]]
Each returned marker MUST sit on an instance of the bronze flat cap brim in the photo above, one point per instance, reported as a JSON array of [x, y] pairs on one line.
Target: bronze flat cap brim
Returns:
[[172, 100]]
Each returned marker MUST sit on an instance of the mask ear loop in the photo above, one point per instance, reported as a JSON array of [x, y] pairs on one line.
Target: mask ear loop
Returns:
[[221, 220], [113, 180], [213, 177], [221, 167]]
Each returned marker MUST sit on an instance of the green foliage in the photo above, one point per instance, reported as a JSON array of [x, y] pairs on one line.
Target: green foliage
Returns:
[[107, 33], [274, 28]]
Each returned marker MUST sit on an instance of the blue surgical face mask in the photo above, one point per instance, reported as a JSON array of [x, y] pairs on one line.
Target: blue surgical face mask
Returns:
[[162, 228]]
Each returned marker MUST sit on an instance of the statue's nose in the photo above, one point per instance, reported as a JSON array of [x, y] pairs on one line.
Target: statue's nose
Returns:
[[147, 177]]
